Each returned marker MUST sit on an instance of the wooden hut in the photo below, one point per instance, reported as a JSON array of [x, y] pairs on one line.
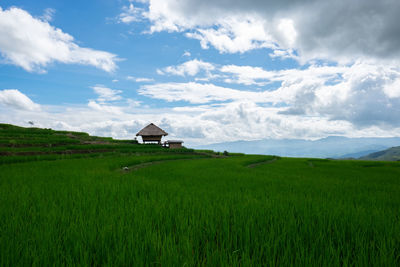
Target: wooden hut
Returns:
[[174, 143], [151, 134]]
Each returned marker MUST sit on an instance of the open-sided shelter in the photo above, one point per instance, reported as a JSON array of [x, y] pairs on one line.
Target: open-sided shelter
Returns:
[[151, 133]]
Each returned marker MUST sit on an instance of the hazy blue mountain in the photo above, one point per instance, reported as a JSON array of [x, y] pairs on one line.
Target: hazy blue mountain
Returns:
[[357, 154], [330, 147], [392, 154]]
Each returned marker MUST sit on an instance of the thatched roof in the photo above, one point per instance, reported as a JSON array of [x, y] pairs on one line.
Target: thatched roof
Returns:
[[151, 129]]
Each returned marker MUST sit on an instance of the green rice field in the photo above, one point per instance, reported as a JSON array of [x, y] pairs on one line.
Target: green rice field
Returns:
[[81, 206]]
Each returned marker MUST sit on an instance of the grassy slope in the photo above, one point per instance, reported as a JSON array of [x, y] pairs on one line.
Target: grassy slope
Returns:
[[199, 211], [391, 154]]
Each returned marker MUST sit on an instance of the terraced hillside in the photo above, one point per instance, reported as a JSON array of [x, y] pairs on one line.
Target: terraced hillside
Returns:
[[18, 144]]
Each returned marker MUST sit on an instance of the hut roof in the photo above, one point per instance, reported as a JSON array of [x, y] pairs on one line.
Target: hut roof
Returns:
[[151, 129], [174, 141]]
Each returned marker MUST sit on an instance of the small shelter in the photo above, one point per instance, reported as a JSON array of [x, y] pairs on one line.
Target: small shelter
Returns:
[[151, 134], [174, 143]]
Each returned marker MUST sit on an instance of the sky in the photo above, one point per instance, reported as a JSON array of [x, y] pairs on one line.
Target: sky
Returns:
[[204, 71]]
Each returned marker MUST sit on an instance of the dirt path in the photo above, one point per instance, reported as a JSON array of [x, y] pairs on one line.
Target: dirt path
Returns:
[[145, 164], [142, 165], [253, 165]]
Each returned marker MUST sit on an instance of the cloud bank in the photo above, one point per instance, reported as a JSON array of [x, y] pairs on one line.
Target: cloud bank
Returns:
[[340, 30]]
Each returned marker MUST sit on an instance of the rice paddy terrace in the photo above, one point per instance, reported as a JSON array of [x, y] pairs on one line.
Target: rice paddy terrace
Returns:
[[67, 198], [26, 144]]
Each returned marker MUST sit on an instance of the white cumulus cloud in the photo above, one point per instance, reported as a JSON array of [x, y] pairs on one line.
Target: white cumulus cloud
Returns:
[[188, 68], [106, 94], [101, 107], [139, 79], [32, 43], [15, 99], [233, 35], [130, 14]]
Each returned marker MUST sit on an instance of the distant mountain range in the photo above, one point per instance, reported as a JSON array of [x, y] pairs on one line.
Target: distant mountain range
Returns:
[[392, 154], [329, 147]]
